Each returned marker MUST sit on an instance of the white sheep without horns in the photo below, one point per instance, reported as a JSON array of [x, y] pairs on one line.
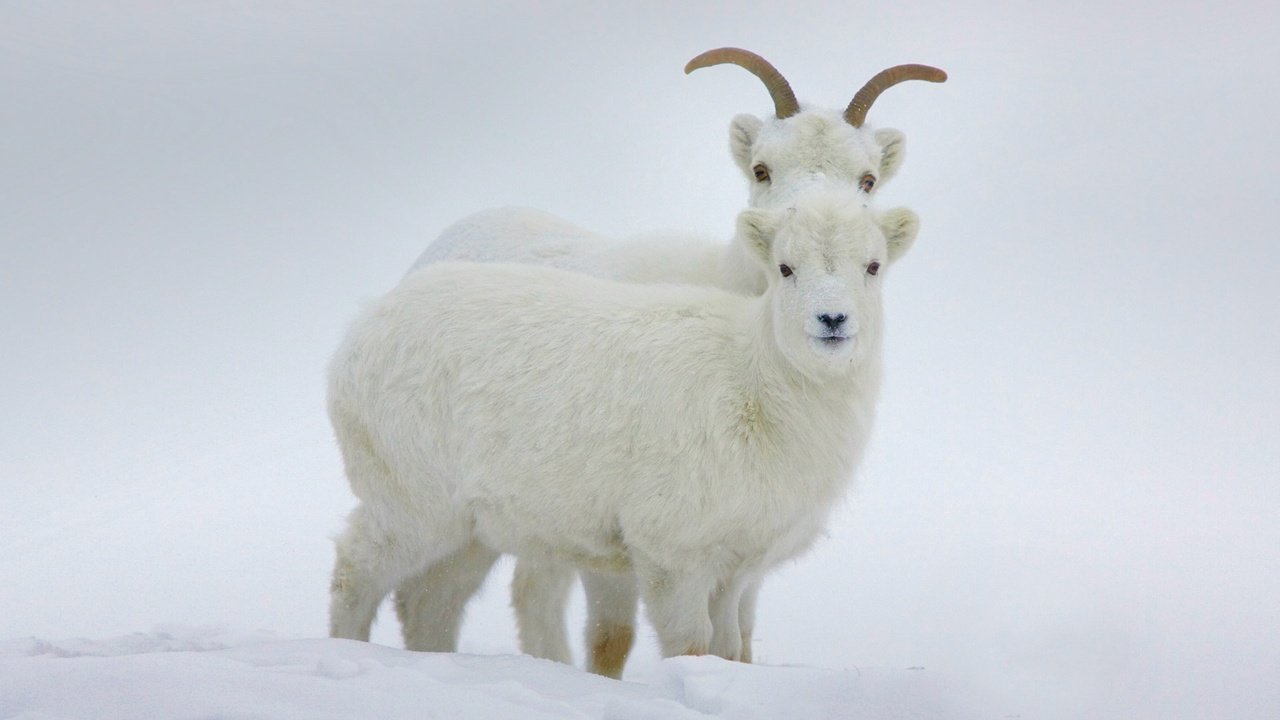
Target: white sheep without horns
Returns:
[[692, 437], [795, 151]]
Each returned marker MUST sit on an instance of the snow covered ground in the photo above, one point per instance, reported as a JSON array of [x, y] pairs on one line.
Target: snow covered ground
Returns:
[[1071, 506], [202, 673]]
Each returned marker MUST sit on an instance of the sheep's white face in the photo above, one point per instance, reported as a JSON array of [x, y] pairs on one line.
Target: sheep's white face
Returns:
[[825, 259], [812, 150]]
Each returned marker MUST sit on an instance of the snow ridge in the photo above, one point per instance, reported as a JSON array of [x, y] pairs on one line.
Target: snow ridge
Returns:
[[206, 672]]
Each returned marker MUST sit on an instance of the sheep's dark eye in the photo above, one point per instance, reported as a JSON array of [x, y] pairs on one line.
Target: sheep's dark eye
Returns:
[[873, 268], [868, 182], [761, 172], [785, 270]]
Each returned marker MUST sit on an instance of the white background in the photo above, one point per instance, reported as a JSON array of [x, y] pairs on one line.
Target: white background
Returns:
[[1072, 499]]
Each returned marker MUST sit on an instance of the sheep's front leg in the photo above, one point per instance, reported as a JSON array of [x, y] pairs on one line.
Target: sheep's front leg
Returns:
[[612, 600], [747, 617], [726, 638], [678, 604], [539, 595]]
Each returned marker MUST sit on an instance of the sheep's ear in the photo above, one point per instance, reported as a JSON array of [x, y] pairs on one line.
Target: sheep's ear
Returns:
[[893, 150], [900, 227], [743, 131], [756, 229]]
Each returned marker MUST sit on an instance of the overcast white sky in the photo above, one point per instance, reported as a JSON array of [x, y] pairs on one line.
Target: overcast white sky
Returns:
[[1073, 493]]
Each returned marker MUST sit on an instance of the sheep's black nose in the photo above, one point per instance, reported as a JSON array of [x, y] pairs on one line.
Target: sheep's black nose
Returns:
[[833, 321]]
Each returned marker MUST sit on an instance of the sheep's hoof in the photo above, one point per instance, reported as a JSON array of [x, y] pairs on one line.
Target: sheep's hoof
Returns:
[[610, 649]]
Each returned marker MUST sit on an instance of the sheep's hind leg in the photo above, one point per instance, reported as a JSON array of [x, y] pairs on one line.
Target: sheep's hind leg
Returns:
[[372, 557], [726, 638], [612, 600], [539, 595], [431, 604]]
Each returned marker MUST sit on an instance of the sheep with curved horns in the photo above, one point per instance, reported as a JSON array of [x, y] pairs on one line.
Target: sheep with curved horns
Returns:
[[796, 151], [690, 436], [802, 147]]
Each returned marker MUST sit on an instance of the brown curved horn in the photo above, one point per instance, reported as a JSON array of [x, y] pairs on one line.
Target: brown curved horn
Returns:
[[784, 101], [856, 113]]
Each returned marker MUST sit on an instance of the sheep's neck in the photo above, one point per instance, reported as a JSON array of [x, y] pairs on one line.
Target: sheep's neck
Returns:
[[789, 396], [739, 271]]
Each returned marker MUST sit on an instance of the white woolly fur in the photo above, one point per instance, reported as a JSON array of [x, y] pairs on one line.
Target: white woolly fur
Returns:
[[687, 437], [813, 151]]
